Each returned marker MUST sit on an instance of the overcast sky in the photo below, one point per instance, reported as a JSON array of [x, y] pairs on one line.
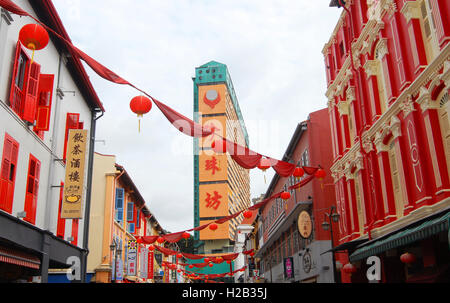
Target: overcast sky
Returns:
[[272, 50]]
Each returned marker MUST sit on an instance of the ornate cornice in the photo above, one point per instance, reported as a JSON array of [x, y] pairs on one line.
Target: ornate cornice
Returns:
[[371, 68], [343, 107], [424, 100], [411, 10]]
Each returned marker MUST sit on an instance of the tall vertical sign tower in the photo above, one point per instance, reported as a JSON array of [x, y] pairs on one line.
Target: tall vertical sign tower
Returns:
[[221, 187]]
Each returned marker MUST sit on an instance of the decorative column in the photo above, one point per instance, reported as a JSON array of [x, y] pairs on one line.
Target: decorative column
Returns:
[[434, 141], [415, 156], [411, 11], [343, 109], [372, 70], [240, 236], [385, 178], [395, 127], [353, 208]]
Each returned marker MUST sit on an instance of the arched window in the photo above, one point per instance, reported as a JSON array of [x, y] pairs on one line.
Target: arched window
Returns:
[[428, 30], [380, 52], [444, 119]]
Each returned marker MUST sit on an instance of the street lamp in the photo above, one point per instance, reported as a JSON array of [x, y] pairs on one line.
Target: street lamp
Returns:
[[333, 216]]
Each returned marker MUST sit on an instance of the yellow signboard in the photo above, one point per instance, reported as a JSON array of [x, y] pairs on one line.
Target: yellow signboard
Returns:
[[212, 99], [213, 168], [73, 185], [213, 200]]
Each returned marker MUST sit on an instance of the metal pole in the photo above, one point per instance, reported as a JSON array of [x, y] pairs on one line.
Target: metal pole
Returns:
[[332, 247]]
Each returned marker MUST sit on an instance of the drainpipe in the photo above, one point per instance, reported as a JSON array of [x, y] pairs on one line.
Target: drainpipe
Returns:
[[87, 209]]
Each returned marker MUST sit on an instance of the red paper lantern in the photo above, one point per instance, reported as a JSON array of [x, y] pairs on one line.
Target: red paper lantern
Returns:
[[179, 255], [207, 259], [186, 235], [264, 164], [298, 172], [191, 266], [33, 36], [213, 226], [219, 259], [228, 261], [285, 195], [248, 214], [408, 258], [140, 105], [151, 248], [252, 254], [210, 265], [320, 173], [349, 268], [160, 240]]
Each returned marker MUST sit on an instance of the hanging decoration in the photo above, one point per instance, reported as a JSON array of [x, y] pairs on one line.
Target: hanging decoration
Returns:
[[263, 165], [33, 37], [140, 105], [248, 214], [298, 173], [243, 156], [349, 268], [408, 258]]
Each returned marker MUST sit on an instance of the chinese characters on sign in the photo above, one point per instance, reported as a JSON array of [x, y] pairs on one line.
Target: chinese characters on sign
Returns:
[[212, 165], [74, 181], [131, 258], [213, 201]]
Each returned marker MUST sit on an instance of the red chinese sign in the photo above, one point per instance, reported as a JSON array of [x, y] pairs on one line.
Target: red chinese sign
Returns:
[[212, 165], [213, 201], [150, 265]]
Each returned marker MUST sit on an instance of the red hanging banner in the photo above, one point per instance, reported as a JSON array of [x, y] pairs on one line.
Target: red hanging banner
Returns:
[[150, 265]]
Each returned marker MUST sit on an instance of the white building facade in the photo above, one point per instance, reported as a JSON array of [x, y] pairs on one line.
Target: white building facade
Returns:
[[41, 98]]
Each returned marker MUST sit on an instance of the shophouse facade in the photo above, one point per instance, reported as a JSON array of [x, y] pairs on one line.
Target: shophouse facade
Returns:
[[286, 254], [118, 218], [388, 70], [41, 99]]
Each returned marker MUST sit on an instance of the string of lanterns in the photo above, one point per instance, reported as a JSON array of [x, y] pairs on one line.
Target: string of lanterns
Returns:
[[35, 37]]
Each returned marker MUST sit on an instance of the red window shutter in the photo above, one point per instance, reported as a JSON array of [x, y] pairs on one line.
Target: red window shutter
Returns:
[[18, 79], [75, 231], [8, 173], [30, 105], [61, 225], [32, 189], [72, 122], [44, 103]]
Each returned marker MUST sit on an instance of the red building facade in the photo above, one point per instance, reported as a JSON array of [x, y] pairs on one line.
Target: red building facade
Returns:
[[279, 236], [387, 66]]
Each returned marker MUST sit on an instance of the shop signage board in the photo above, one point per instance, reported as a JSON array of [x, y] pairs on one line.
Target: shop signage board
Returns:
[[74, 180]]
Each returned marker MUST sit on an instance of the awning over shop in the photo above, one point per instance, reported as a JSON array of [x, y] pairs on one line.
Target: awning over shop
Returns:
[[347, 245], [402, 238], [19, 258]]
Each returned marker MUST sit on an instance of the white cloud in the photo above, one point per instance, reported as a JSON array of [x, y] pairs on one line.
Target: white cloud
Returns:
[[273, 53]]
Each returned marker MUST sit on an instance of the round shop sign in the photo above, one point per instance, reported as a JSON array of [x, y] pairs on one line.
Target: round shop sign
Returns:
[[307, 262], [304, 224]]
